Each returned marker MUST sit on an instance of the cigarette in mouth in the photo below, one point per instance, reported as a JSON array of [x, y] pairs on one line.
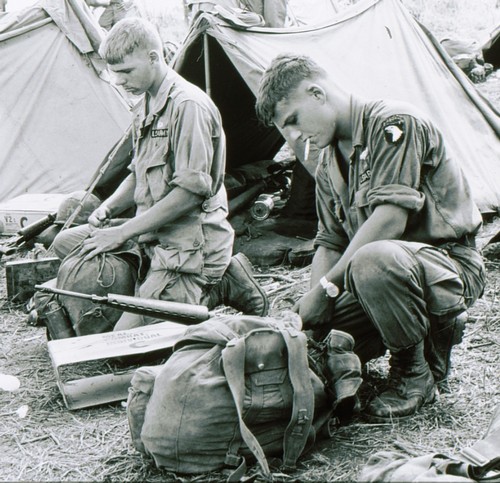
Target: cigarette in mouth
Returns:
[[306, 150]]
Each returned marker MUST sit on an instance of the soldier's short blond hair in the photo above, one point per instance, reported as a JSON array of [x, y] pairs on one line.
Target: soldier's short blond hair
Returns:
[[127, 36]]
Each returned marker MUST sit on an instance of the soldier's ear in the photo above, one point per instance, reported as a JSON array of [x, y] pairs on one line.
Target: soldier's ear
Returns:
[[317, 92], [154, 56]]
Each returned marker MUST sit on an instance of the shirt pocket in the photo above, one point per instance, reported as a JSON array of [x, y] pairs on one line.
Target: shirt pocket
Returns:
[[158, 171], [361, 206]]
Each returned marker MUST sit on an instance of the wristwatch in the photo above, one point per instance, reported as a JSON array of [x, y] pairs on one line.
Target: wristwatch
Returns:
[[331, 289]]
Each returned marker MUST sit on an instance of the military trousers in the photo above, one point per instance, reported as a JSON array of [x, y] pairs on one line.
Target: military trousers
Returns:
[[158, 284], [395, 290]]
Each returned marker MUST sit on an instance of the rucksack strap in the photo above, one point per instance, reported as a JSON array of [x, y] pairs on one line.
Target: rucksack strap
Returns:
[[233, 363], [298, 429]]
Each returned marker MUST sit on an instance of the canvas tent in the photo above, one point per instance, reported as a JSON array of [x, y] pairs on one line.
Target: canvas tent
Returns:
[[376, 49], [491, 48], [58, 117]]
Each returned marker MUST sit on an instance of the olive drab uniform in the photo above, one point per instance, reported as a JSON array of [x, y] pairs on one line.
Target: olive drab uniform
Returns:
[[180, 142], [433, 272]]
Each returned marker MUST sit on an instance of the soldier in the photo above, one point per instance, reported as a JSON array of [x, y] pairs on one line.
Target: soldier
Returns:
[[396, 262], [273, 12], [114, 10], [175, 185]]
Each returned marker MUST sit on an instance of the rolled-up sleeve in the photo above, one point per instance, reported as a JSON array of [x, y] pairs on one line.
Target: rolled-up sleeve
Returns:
[[396, 194], [396, 165], [193, 149], [330, 233]]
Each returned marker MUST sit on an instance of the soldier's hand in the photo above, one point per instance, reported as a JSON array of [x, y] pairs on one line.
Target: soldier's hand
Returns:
[[315, 307], [100, 217], [101, 241]]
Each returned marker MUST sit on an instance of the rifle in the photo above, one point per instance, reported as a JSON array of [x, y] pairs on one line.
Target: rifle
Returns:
[[23, 236], [173, 311]]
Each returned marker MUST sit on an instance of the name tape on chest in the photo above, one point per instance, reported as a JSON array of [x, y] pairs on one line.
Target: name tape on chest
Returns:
[[159, 133]]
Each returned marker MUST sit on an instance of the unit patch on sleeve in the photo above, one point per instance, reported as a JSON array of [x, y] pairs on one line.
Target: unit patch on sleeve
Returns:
[[394, 130]]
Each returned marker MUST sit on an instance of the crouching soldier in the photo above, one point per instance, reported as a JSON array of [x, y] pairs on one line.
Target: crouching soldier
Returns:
[[396, 262]]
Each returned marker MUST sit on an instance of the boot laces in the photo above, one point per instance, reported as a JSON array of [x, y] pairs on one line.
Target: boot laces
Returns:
[[396, 381]]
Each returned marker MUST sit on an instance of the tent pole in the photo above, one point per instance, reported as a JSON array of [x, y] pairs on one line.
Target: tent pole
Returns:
[[334, 6], [206, 59]]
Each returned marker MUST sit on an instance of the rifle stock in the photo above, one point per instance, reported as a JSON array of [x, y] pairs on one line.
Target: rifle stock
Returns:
[[173, 311]]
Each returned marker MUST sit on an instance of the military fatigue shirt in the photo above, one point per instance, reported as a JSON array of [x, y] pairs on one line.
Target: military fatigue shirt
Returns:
[[179, 141], [398, 157]]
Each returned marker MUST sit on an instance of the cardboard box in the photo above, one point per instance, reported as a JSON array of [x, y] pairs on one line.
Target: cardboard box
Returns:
[[24, 210], [71, 359]]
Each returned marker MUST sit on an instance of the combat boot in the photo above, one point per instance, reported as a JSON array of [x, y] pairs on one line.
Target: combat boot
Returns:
[[239, 289], [410, 386], [443, 335]]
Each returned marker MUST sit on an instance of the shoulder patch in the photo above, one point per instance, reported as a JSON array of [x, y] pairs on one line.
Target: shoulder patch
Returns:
[[394, 129]]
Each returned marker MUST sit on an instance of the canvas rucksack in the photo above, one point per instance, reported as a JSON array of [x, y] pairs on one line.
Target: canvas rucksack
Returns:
[[234, 387], [111, 272]]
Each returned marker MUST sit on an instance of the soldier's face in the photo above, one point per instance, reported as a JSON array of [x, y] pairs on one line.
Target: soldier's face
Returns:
[[136, 73], [304, 115]]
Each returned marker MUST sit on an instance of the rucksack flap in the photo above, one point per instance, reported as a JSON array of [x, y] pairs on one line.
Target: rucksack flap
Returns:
[[288, 350], [220, 330], [254, 366]]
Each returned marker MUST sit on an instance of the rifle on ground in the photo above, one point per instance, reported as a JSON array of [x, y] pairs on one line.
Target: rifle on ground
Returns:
[[173, 311], [25, 235]]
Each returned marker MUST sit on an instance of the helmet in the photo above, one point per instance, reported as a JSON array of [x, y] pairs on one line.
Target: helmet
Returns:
[[71, 203]]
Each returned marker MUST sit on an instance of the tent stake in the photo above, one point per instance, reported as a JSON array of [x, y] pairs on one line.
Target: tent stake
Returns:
[[206, 59]]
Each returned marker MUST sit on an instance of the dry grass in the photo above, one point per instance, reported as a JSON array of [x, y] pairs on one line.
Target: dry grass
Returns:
[[476, 18], [52, 443]]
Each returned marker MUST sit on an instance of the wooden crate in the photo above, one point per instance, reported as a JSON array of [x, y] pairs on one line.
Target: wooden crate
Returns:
[[22, 276], [72, 357]]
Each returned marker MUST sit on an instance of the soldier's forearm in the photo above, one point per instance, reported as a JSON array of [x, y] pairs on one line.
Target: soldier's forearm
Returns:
[[175, 205], [122, 198]]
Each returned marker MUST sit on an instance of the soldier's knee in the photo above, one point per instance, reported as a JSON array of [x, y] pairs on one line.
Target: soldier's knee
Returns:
[[61, 244], [66, 240], [371, 264]]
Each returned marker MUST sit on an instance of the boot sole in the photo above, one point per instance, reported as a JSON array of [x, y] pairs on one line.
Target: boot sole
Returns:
[[244, 263]]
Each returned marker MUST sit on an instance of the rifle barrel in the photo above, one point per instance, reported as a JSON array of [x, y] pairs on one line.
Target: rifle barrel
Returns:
[[59, 291], [160, 309]]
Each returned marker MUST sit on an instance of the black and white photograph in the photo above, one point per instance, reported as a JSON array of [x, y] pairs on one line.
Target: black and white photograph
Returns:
[[249, 241]]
